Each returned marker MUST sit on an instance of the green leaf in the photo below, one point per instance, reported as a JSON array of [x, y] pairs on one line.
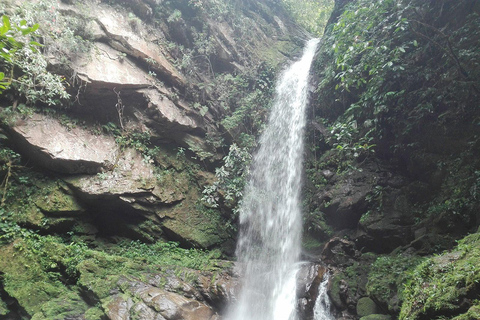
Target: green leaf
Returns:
[[6, 22], [34, 43], [2, 75]]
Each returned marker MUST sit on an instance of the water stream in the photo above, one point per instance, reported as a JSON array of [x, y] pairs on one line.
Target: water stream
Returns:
[[268, 248], [322, 309]]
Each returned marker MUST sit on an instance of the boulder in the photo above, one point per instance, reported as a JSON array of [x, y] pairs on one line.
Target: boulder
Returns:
[[344, 199], [220, 290], [309, 278], [63, 148], [340, 252], [366, 306], [156, 303]]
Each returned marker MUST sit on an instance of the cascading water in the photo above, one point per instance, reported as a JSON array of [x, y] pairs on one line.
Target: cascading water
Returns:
[[321, 311], [268, 247]]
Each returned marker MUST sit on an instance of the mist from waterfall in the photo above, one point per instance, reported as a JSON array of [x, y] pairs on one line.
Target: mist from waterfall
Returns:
[[269, 243]]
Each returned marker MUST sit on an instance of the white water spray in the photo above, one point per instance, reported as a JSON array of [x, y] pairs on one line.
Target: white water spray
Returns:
[[268, 247], [322, 309]]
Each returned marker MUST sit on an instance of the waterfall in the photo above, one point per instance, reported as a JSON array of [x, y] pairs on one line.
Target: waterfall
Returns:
[[268, 247], [322, 308]]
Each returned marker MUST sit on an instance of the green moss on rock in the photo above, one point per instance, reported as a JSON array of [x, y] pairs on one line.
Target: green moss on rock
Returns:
[[3, 308], [472, 314], [33, 280], [387, 276], [366, 306], [377, 317], [57, 199], [442, 284]]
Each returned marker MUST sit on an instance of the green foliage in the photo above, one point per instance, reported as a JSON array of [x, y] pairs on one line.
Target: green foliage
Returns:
[[439, 284], [246, 99], [167, 254], [19, 50], [10, 44], [310, 14], [231, 178], [378, 64], [387, 277], [25, 65]]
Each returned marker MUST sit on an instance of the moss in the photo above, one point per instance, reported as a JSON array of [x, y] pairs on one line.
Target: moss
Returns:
[[276, 54], [3, 308], [366, 306], [56, 198], [387, 276], [68, 305], [472, 314], [27, 280], [94, 313], [195, 225], [440, 284]]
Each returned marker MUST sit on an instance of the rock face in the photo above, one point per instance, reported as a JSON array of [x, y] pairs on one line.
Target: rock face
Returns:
[[126, 159], [63, 149], [156, 303]]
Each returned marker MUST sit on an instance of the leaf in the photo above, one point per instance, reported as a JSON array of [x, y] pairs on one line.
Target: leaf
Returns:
[[2, 75], [6, 22], [34, 43]]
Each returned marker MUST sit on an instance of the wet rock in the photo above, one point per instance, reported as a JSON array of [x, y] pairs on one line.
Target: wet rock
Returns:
[[384, 231], [169, 305], [344, 199], [119, 308], [220, 290], [62, 148], [309, 278], [340, 252], [338, 292], [141, 311]]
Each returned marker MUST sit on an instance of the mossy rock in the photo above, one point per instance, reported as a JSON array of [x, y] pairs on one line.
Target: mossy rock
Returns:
[[472, 314], [3, 308], [94, 314], [193, 224], [436, 286], [366, 306], [68, 306], [336, 290], [58, 200], [27, 280], [377, 317], [387, 276]]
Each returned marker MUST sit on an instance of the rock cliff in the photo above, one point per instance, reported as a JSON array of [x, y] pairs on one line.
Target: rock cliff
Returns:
[[103, 183]]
